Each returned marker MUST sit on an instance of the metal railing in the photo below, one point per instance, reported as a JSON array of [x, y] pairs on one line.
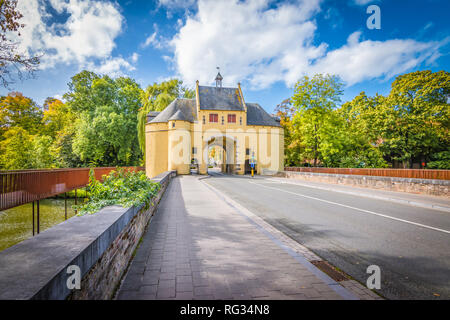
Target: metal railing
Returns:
[[18, 187], [399, 173]]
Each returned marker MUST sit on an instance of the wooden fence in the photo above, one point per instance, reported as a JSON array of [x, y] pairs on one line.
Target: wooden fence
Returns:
[[399, 173], [18, 187]]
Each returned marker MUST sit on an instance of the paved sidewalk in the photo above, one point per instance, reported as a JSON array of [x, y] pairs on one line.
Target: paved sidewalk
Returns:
[[199, 247]]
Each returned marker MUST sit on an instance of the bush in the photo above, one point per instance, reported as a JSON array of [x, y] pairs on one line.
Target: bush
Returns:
[[441, 160], [125, 188]]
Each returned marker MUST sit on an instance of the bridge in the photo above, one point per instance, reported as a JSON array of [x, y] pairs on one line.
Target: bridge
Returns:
[[222, 236]]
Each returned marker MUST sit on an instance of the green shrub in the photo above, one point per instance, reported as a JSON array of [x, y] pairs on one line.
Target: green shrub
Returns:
[[125, 188], [440, 160]]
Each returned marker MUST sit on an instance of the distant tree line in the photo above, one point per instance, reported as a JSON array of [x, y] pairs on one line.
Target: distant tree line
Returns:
[[100, 123], [408, 126]]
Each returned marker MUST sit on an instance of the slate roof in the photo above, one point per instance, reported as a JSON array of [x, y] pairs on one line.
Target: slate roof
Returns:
[[214, 98], [186, 109], [151, 115], [179, 109], [257, 116]]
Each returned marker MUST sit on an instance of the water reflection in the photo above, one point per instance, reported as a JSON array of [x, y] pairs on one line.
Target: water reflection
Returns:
[[16, 223]]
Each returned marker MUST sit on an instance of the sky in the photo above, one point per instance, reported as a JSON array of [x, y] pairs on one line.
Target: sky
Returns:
[[265, 45]]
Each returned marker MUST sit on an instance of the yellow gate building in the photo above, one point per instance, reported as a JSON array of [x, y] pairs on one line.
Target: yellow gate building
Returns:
[[180, 137]]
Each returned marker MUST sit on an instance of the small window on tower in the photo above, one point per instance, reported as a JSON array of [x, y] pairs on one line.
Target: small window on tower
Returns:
[[240, 120], [213, 117], [231, 118], [173, 124]]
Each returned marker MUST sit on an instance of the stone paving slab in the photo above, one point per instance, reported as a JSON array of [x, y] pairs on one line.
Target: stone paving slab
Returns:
[[197, 246]]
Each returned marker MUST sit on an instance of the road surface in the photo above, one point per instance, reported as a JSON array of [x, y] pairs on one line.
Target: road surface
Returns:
[[410, 244]]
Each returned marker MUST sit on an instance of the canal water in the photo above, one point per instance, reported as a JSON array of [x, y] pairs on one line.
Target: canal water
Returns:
[[16, 223]]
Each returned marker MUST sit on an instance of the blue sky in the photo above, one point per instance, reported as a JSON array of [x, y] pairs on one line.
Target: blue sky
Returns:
[[265, 45]]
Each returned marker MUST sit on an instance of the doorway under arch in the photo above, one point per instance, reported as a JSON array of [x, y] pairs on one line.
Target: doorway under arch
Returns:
[[220, 154]]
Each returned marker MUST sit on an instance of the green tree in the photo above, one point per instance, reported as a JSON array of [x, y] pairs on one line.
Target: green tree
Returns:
[[314, 100], [17, 110], [41, 156], [362, 137], [106, 128], [292, 138], [56, 140], [415, 116], [157, 97], [16, 149], [62, 150], [57, 116], [440, 160]]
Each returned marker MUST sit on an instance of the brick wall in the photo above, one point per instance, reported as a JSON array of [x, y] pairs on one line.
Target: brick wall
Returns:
[[422, 186]]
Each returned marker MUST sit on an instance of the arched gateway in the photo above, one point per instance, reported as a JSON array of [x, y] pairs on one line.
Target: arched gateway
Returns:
[[218, 116]]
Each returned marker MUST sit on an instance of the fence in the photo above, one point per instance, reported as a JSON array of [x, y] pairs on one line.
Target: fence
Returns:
[[19, 187], [399, 173]]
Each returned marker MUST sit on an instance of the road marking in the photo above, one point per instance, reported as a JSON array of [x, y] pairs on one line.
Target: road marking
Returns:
[[358, 209], [367, 195]]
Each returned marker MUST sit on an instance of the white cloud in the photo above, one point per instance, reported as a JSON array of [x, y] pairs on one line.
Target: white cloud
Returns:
[[262, 43], [177, 4], [364, 2], [151, 39], [134, 57], [86, 36], [358, 61], [248, 40], [111, 66]]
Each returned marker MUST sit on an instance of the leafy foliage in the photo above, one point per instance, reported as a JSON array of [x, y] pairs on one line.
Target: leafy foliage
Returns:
[[157, 97], [125, 188], [408, 125], [106, 124], [440, 160], [97, 125], [16, 149], [314, 101], [17, 110]]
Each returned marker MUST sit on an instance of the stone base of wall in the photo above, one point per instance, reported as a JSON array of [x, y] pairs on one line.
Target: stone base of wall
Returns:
[[417, 186], [105, 276]]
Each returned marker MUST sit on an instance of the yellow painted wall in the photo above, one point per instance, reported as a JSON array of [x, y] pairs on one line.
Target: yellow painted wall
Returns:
[[156, 149], [165, 145], [179, 140]]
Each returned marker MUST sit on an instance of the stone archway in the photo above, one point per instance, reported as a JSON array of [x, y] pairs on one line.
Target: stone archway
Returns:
[[228, 145]]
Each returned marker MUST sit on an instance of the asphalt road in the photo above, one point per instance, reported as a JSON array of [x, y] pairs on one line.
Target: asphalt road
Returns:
[[411, 245]]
